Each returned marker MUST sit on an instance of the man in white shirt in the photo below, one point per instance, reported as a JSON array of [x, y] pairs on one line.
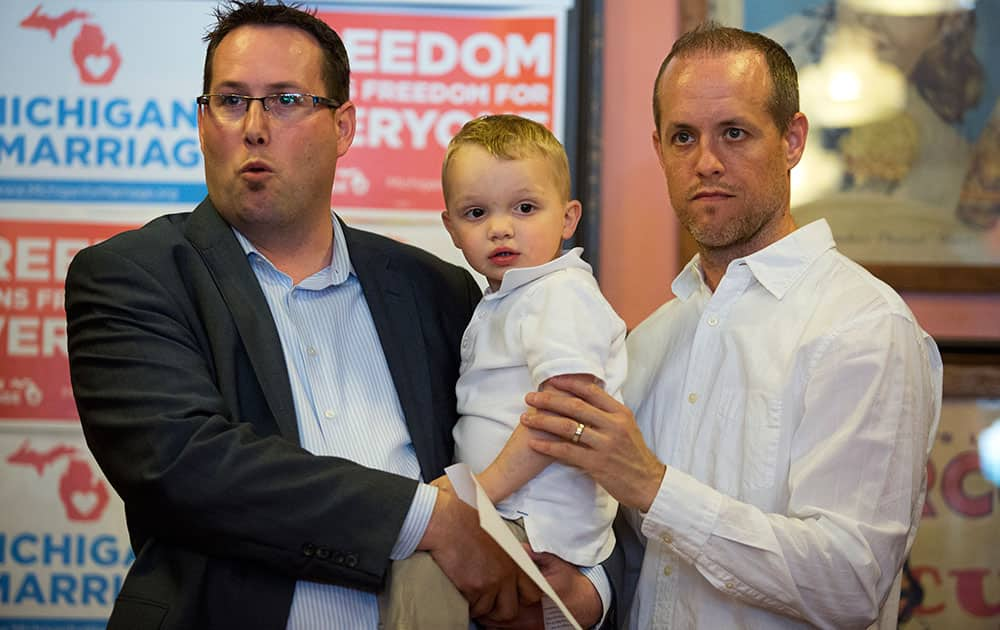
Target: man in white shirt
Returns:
[[785, 401]]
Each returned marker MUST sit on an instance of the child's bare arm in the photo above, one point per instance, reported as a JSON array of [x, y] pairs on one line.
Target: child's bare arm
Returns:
[[517, 462]]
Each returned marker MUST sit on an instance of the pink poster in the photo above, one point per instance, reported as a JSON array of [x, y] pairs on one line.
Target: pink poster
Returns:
[[416, 79], [34, 256]]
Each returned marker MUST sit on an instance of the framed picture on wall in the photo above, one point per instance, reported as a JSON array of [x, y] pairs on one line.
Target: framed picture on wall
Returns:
[[903, 156]]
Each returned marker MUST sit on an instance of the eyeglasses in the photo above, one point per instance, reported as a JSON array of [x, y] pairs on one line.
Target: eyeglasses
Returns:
[[286, 107]]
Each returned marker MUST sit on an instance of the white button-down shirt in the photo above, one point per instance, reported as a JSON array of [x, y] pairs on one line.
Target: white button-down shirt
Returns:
[[794, 408]]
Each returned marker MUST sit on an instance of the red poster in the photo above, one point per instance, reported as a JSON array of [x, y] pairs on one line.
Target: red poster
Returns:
[[416, 79], [955, 557], [34, 256]]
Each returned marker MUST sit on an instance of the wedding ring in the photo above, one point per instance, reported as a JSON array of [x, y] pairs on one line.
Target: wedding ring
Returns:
[[579, 431]]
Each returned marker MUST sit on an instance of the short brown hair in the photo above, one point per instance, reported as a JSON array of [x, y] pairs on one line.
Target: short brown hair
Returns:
[[236, 13], [511, 137], [711, 37]]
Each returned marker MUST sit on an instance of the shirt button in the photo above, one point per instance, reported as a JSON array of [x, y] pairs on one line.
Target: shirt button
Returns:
[[692, 398], [667, 539], [667, 571], [329, 414], [713, 320], [729, 585], [311, 351]]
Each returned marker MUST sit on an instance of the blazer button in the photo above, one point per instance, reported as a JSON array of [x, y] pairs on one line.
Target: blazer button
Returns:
[[338, 557], [322, 553], [352, 560], [308, 550]]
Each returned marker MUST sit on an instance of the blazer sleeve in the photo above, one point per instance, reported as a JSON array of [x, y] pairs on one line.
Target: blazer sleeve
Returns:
[[178, 422]]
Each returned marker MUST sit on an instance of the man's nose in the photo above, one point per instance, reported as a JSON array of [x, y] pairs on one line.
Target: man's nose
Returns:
[[255, 124], [708, 162]]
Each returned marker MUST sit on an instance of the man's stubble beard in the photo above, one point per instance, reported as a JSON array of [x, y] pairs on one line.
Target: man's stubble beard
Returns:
[[740, 235]]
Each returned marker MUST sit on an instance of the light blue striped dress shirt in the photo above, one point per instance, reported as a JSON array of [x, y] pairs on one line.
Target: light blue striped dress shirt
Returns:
[[346, 405]]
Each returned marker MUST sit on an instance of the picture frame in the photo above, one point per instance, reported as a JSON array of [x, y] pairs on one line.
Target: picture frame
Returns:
[[934, 224], [971, 370]]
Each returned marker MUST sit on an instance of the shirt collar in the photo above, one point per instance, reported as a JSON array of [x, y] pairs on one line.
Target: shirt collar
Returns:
[[337, 272], [520, 276], [689, 279], [776, 267]]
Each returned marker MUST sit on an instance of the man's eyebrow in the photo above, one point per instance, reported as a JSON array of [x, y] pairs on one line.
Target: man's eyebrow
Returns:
[[720, 124], [676, 125], [734, 122], [230, 85], [271, 88]]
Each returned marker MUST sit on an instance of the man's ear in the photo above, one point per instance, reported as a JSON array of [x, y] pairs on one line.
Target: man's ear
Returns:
[[795, 139], [346, 121], [656, 147], [571, 217], [201, 127]]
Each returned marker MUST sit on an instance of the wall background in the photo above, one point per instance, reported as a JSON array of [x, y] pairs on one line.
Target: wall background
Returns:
[[639, 233]]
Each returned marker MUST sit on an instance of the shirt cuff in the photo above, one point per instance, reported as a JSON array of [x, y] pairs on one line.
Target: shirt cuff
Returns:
[[599, 579], [415, 523], [684, 530]]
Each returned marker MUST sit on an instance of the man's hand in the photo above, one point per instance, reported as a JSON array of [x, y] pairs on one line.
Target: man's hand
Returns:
[[487, 577], [610, 448], [573, 587]]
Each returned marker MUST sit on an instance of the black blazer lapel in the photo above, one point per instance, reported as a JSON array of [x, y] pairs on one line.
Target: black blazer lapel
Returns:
[[397, 316], [227, 263]]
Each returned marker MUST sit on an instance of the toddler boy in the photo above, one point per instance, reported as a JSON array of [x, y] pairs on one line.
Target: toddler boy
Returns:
[[506, 188]]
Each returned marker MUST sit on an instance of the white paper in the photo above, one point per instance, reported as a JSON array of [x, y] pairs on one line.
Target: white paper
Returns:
[[469, 490]]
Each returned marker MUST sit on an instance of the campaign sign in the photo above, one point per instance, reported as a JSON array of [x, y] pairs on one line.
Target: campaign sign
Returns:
[[103, 111], [34, 257], [100, 107], [63, 551], [417, 77]]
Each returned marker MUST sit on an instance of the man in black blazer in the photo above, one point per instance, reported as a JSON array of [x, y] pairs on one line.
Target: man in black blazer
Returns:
[[184, 387], [181, 386]]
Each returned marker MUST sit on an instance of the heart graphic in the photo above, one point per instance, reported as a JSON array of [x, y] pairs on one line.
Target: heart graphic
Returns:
[[83, 495], [97, 65], [84, 502], [96, 60]]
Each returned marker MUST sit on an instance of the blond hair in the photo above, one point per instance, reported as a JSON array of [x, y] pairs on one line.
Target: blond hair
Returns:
[[511, 137]]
